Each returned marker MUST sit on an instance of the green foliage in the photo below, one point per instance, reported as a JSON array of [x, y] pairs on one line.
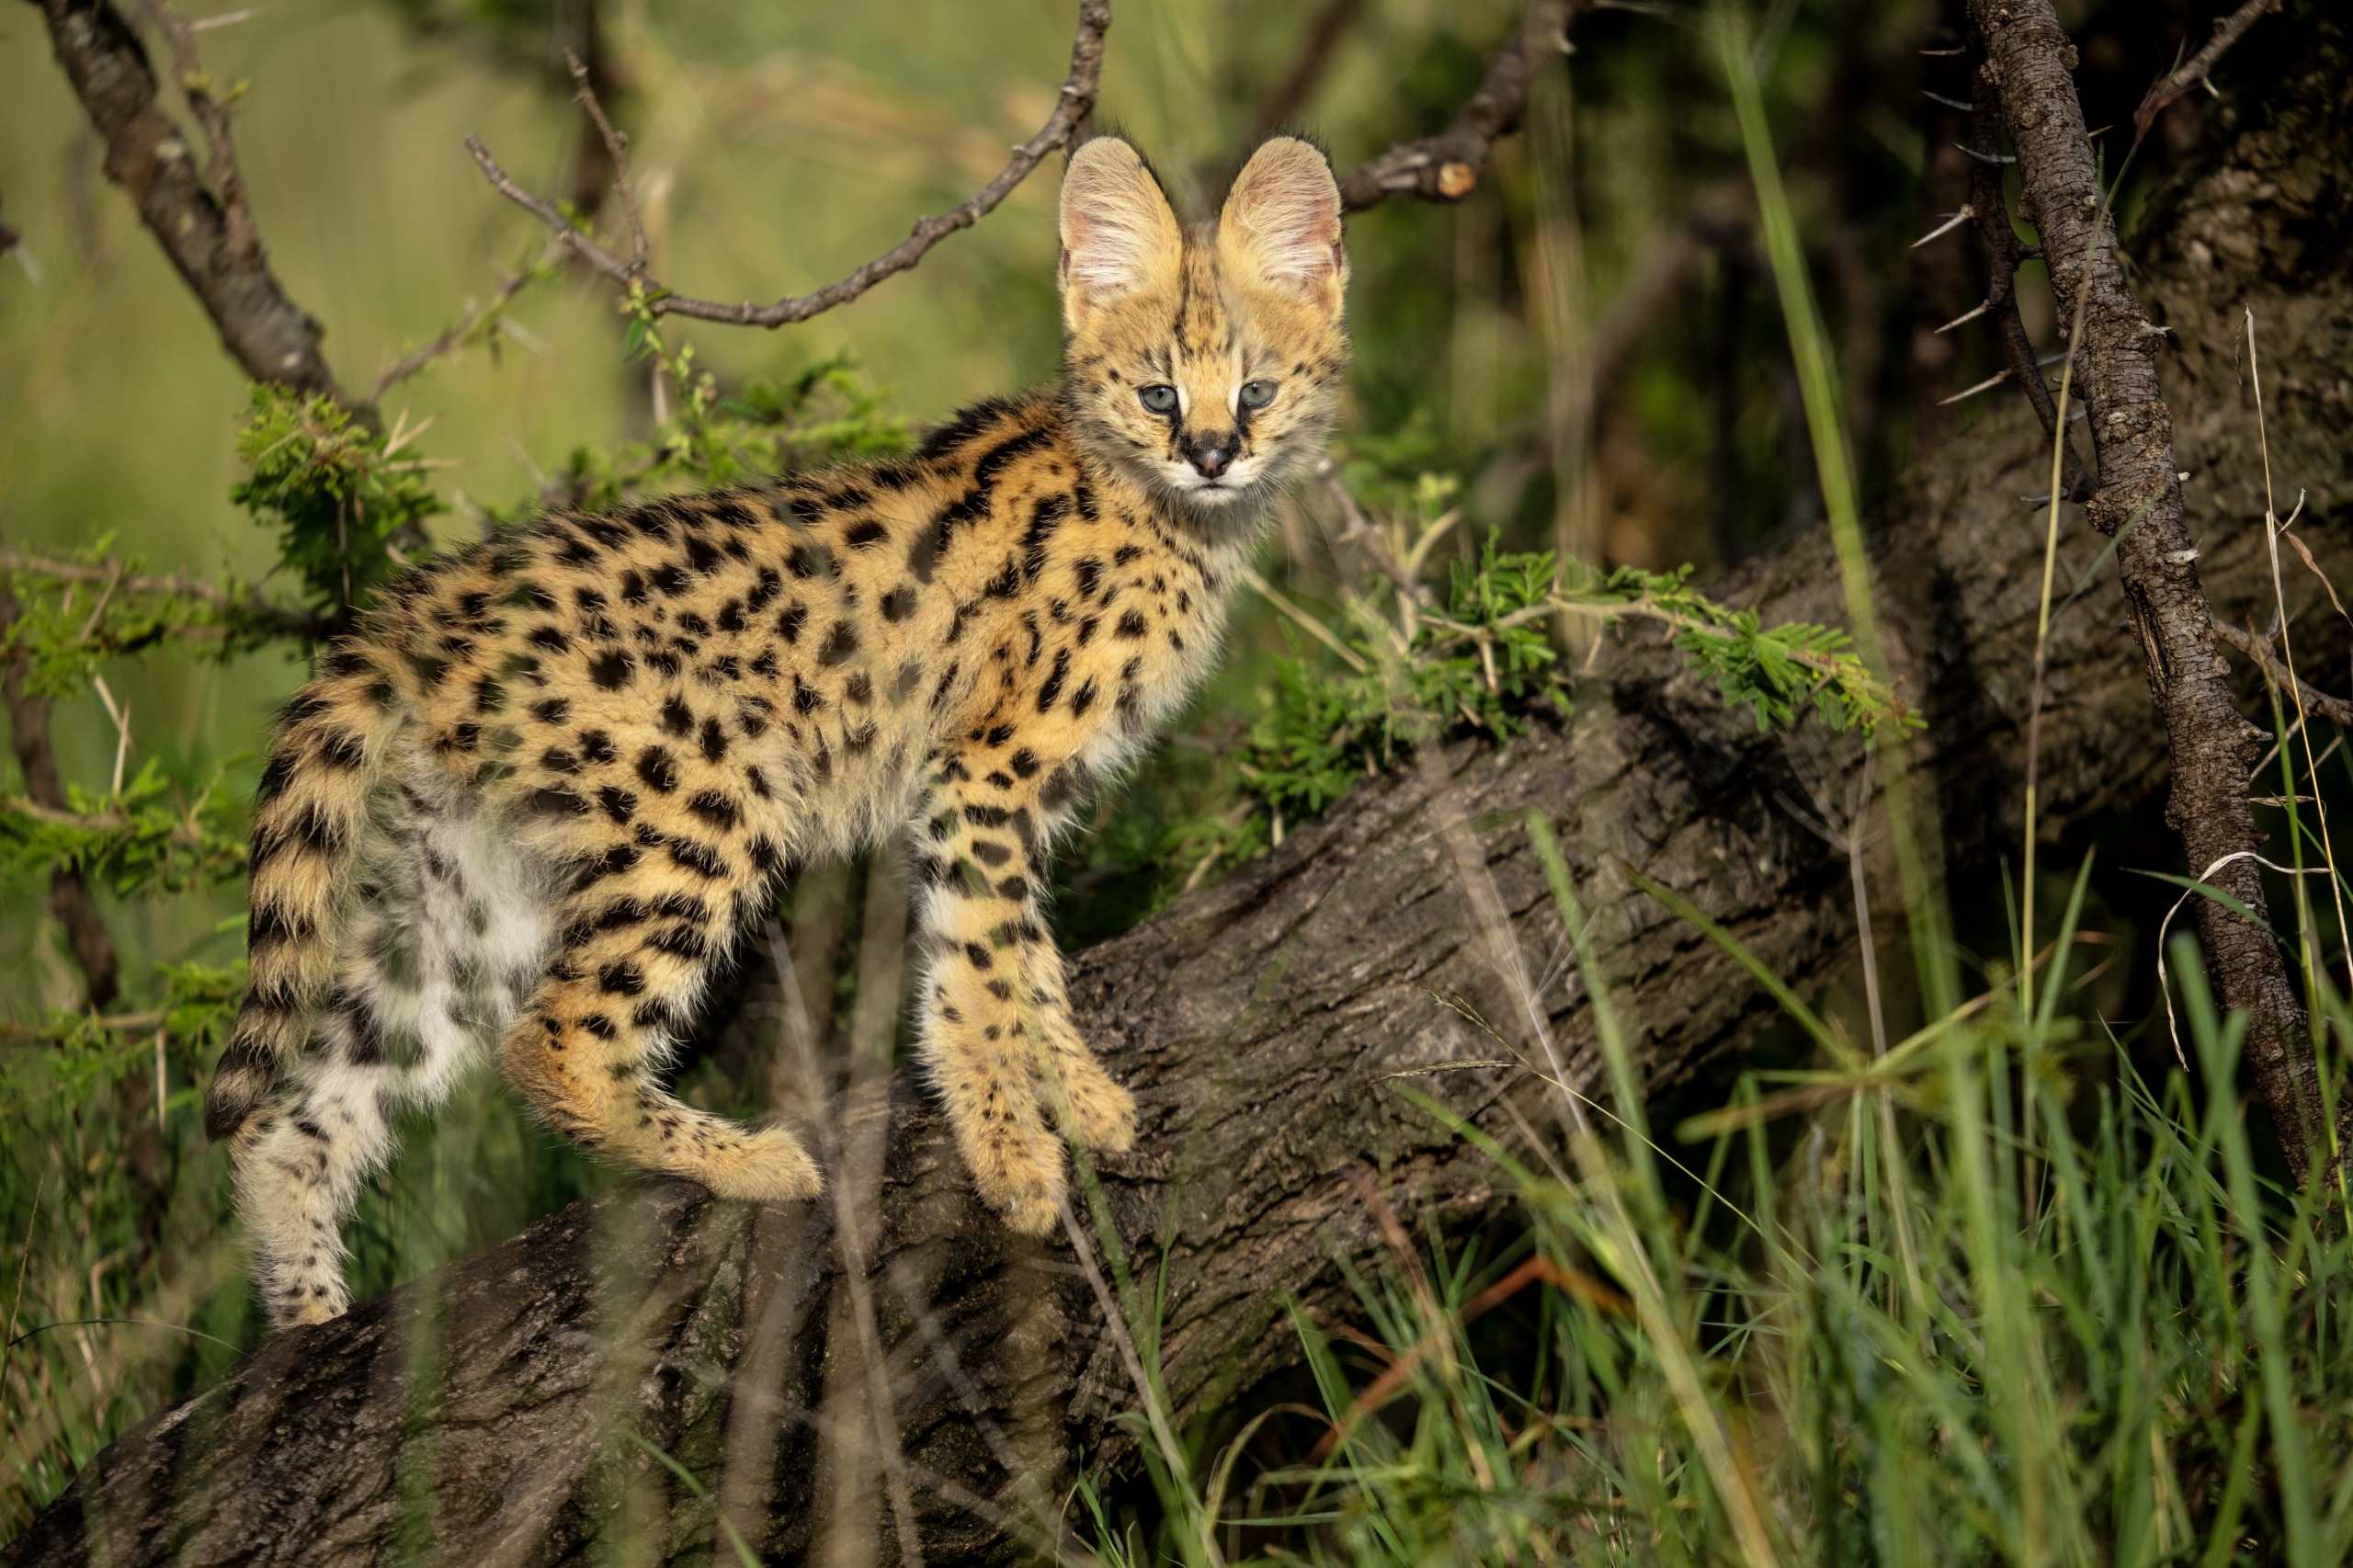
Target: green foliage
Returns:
[[76, 613], [1778, 672], [1485, 660], [344, 501], [825, 414], [148, 837]]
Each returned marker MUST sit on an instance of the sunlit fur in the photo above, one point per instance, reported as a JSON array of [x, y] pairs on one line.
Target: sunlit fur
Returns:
[[535, 803], [1254, 297]]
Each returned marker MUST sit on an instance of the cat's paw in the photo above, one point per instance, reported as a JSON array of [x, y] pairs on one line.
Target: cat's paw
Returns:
[[1018, 1170], [765, 1164], [1095, 1108]]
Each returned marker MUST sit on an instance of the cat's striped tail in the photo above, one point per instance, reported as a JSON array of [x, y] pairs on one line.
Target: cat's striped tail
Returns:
[[333, 743]]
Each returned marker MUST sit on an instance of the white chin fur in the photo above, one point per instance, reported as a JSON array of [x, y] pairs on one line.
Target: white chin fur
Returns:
[[1236, 484]]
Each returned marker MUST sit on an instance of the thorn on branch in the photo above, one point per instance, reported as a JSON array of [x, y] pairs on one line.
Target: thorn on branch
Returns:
[[1947, 226], [1996, 379]]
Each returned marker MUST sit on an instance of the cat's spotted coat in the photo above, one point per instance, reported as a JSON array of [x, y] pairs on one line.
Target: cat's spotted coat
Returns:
[[545, 789]]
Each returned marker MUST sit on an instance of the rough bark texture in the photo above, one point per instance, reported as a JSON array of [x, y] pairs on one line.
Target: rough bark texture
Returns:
[[211, 241], [2138, 501], [494, 1413]]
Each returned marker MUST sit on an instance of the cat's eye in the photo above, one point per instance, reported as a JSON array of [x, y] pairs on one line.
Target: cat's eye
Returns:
[[1257, 394], [1158, 399]]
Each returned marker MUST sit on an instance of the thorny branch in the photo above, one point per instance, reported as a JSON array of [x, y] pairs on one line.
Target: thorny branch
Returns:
[[1989, 207], [2199, 69], [452, 338], [1074, 109], [2211, 745], [1445, 168]]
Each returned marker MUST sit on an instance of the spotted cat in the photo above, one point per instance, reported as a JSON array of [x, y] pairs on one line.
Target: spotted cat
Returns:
[[546, 789]]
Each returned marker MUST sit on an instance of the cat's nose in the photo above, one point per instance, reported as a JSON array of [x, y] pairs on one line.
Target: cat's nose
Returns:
[[1211, 454]]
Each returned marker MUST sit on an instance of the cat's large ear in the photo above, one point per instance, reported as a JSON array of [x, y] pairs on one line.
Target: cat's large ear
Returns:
[[1119, 236], [1281, 224]]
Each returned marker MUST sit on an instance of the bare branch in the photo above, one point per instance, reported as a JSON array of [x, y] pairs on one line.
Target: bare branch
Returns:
[[2336, 710], [2199, 69], [453, 337], [208, 233], [1446, 167], [616, 151], [1066, 126]]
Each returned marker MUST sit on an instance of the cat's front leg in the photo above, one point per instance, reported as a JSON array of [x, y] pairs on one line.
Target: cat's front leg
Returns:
[[997, 1035]]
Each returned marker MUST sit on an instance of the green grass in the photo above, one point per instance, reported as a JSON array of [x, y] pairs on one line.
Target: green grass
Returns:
[[1922, 1338]]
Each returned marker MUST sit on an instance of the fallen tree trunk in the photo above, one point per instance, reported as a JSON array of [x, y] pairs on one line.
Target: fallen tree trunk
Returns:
[[527, 1404]]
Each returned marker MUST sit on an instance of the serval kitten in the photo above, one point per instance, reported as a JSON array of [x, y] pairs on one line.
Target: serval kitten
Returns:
[[547, 788]]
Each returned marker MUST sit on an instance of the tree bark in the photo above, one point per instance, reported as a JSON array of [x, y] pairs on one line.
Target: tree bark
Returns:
[[506, 1409], [208, 234], [2138, 502]]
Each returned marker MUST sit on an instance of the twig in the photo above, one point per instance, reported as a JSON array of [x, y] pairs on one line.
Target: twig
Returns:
[[452, 338], [1445, 168], [1065, 127], [276, 618], [1314, 627], [2198, 69], [221, 170], [616, 151], [2336, 710], [208, 234]]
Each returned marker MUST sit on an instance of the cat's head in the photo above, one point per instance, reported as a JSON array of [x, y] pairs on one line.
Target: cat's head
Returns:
[[1206, 365]]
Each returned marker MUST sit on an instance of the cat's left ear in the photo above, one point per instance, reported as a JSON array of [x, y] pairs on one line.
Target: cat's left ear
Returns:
[[1281, 224]]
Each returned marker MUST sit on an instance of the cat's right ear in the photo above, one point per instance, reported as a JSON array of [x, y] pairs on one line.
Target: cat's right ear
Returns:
[[1120, 236]]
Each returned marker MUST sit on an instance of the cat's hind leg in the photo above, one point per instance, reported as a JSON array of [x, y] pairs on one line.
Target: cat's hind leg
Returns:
[[302, 1159], [640, 933]]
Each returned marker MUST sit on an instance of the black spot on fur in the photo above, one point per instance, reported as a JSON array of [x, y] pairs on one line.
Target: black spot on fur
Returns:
[[610, 670], [597, 746], [1051, 692], [899, 603], [659, 769], [677, 719], [699, 859]]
